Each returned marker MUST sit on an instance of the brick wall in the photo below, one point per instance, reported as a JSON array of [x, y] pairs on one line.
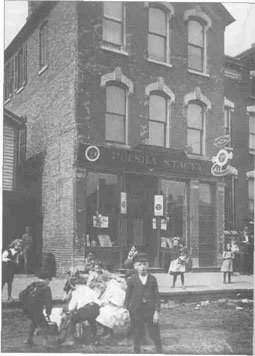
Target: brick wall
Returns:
[[48, 102]]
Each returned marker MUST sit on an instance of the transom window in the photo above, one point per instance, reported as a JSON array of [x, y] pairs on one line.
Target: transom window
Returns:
[[113, 23], [158, 34], [252, 132], [195, 128], [196, 46], [115, 117], [158, 120]]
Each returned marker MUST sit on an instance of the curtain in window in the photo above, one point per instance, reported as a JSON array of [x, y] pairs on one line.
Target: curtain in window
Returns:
[[115, 117]]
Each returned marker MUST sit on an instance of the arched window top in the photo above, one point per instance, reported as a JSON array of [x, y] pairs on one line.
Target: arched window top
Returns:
[[117, 76], [197, 13], [197, 96], [165, 6], [229, 104], [160, 86]]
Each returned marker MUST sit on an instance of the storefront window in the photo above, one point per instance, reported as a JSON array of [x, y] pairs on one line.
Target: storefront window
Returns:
[[102, 209], [174, 223]]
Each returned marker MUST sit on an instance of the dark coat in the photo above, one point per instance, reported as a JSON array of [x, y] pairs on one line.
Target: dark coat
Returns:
[[137, 294]]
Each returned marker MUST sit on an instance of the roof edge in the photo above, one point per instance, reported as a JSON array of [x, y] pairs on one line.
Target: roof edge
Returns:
[[20, 120]]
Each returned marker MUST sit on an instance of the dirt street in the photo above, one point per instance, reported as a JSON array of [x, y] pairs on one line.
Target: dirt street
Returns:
[[220, 327]]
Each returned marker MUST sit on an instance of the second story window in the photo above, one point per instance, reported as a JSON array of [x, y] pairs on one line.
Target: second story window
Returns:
[[195, 133], [43, 46], [252, 133], [115, 116], [158, 120], [196, 46], [113, 24], [20, 64], [228, 108], [158, 35], [8, 79]]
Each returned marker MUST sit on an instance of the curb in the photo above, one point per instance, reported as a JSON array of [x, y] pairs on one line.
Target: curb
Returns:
[[181, 297]]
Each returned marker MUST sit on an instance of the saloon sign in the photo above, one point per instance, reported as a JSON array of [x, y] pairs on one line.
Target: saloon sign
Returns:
[[221, 166]]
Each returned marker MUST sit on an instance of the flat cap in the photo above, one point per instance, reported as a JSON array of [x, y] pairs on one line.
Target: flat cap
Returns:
[[140, 257]]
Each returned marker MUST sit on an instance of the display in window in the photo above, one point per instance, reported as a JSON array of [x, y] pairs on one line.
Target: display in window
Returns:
[[104, 240]]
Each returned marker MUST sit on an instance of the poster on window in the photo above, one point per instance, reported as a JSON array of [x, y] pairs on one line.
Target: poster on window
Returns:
[[104, 240], [163, 224], [123, 203], [158, 205], [154, 223], [101, 221]]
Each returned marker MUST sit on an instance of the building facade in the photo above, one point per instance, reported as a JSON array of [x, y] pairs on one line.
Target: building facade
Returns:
[[123, 104], [240, 124]]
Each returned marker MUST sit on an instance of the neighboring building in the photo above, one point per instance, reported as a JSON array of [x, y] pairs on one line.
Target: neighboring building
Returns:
[[14, 145], [240, 122], [123, 102]]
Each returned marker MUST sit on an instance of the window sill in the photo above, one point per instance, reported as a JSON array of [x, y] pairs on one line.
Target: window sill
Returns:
[[20, 89], [114, 50], [191, 71], [119, 145], [42, 69], [160, 63]]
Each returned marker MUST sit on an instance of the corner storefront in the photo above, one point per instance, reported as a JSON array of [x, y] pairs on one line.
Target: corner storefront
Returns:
[[146, 196]]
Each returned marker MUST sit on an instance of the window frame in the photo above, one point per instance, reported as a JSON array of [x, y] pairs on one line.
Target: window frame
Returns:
[[203, 49], [202, 130], [250, 199], [165, 124], [43, 46], [8, 79], [20, 69], [251, 115], [112, 45], [168, 11], [125, 116]]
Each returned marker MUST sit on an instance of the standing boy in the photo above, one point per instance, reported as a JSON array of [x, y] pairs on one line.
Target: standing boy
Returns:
[[143, 303]]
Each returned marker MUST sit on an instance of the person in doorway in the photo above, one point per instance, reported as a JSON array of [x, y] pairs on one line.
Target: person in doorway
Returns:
[[179, 259], [9, 261], [28, 243], [143, 303], [227, 263]]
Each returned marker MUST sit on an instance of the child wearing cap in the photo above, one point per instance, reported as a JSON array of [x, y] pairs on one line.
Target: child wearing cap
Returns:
[[143, 303]]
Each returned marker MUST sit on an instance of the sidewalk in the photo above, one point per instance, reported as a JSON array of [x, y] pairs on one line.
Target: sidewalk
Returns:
[[202, 283]]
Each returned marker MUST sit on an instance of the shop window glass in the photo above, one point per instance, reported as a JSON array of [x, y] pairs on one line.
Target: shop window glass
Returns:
[[175, 209], [251, 195], [102, 200]]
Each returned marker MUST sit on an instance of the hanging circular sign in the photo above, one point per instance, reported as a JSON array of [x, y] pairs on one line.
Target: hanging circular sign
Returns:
[[92, 153]]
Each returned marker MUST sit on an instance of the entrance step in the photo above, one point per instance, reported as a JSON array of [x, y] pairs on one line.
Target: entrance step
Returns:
[[205, 269], [151, 270]]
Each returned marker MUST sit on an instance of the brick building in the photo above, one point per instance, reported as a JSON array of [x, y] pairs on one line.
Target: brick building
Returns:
[[240, 123], [123, 103]]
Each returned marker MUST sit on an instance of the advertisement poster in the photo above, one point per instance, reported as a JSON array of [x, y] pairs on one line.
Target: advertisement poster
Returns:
[[101, 221], [158, 205]]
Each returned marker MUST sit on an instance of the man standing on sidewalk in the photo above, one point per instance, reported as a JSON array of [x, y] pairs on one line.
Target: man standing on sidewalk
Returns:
[[28, 249]]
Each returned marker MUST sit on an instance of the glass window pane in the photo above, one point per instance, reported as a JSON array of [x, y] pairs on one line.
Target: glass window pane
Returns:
[[157, 21], [113, 9], [194, 141], [157, 48], [156, 134], [195, 58], [115, 128], [251, 188], [252, 141], [112, 32], [252, 124], [157, 108], [115, 100], [196, 33], [195, 116]]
